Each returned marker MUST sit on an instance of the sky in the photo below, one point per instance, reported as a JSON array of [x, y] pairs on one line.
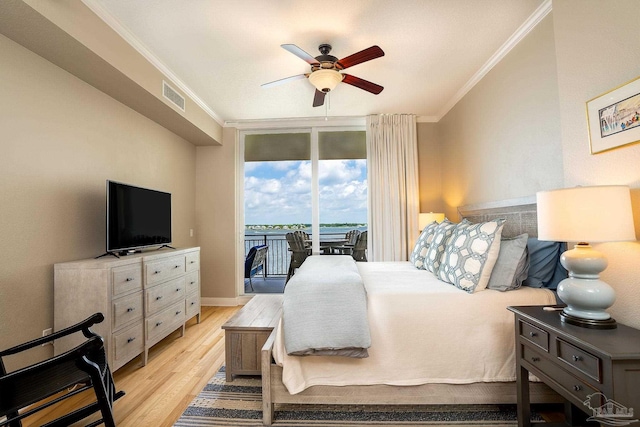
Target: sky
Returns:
[[280, 192]]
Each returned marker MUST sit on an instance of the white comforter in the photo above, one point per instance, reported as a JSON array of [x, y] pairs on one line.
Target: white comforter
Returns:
[[422, 331]]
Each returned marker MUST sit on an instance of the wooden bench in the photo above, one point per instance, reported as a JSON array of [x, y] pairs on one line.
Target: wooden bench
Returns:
[[247, 331]]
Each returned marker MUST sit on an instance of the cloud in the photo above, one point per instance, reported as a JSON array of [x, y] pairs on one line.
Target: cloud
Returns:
[[280, 192]]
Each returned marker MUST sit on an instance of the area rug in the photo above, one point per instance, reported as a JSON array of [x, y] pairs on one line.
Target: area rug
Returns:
[[239, 404]]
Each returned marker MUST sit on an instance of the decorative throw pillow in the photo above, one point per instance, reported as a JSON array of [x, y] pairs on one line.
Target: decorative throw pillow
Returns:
[[422, 245], [512, 264], [441, 236], [545, 270], [470, 255]]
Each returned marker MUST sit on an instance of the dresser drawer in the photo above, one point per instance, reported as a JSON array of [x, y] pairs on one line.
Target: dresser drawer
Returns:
[[191, 280], [193, 261], [125, 279], [534, 335], [573, 387], [164, 321], [127, 344], [192, 305], [580, 360], [127, 309], [159, 271], [161, 296]]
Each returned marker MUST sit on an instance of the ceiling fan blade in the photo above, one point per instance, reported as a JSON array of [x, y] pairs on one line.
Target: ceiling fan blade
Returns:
[[318, 98], [363, 56], [362, 84], [300, 53], [285, 80]]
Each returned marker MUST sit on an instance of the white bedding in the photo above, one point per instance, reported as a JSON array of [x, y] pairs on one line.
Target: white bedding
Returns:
[[422, 331]]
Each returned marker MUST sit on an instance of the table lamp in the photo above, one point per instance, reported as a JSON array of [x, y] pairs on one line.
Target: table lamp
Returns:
[[425, 219], [586, 214]]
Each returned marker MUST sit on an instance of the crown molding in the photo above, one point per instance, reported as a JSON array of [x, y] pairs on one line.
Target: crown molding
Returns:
[[297, 122], [538, 15], [123, 32]]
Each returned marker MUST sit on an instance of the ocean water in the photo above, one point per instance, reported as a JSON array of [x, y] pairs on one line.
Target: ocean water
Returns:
[[249, 233]]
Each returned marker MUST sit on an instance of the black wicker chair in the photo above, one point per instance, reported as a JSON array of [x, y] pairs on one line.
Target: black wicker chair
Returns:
[[360, 249], [25, 391], [299, 252]]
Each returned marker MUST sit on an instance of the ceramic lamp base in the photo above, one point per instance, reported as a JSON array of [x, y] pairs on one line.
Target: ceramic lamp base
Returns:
[[587, 297]]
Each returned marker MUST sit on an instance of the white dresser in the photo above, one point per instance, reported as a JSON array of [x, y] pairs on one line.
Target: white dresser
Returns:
[[144, 297]]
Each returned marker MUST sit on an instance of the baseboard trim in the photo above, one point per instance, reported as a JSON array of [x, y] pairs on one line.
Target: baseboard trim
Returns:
[[225, 302]]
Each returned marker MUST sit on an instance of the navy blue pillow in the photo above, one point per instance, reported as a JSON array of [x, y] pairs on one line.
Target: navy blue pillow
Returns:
[[545, 270]]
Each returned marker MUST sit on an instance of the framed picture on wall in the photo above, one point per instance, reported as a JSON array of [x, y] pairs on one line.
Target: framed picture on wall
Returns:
[[614, 118]]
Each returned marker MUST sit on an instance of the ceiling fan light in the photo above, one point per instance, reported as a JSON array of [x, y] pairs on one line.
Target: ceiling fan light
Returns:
[[325, 80]]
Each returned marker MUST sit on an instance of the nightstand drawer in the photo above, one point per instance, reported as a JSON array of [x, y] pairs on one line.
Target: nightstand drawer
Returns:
[[579, 359], [573, 387], [534, 335]]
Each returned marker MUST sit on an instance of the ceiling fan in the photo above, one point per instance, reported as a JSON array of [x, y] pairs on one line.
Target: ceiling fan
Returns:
[[325, 70]]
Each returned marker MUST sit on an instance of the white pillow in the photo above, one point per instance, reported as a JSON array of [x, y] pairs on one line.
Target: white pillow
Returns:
[[470, 255], [422, 245]]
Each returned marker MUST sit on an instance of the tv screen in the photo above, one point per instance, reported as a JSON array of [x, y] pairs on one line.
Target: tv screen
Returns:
[[136, 217]]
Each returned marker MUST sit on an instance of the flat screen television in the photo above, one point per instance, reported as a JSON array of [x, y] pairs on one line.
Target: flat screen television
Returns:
[[136, 218]]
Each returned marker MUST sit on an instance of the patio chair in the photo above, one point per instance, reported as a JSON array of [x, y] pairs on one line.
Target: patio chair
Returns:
[[351, 237], [25, 391], [299, 252], [255, 263], [360, 248]]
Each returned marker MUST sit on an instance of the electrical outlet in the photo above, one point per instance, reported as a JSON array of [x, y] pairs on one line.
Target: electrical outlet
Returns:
[[191, 232], [46, 332]]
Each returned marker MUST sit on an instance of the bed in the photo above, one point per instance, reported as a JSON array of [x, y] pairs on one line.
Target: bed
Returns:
[[418, 355]]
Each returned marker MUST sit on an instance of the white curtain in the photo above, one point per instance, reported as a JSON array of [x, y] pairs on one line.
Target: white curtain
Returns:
[[392, 174]]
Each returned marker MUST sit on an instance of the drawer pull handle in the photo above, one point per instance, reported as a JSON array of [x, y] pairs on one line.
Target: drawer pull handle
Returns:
[[130, 340], [193, 283], [129, 279], [177, 289], [576, 358], [177, 266], [577, 388], [192, 303], [158, 298], [533, 334], [535, 359], [192, 262], [158, 323], [130, 309], [156, 272], [178, 312]]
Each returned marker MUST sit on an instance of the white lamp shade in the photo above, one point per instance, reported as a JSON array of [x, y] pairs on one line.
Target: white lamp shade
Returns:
[[325, 80], [586, 214], [425, 219]]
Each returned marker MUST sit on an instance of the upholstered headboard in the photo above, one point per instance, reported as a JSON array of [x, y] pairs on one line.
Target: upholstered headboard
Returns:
[[521, 215]]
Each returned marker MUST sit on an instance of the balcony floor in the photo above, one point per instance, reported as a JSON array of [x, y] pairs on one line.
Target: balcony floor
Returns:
[[270, 285]]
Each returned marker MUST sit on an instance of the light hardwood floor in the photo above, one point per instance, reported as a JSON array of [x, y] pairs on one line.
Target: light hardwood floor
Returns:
[[178, 369]]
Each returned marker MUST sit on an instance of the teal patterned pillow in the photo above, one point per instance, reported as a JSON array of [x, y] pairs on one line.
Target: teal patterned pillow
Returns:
[[438, 243], [470, 255], [422, 245]]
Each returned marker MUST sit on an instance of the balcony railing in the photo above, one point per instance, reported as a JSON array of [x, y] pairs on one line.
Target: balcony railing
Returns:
[[278, 256]]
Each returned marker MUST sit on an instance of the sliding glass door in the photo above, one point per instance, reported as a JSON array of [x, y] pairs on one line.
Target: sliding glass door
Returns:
[[311, 180]]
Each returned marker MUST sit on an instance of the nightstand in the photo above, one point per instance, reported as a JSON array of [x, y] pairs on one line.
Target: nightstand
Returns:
[[597, 371]]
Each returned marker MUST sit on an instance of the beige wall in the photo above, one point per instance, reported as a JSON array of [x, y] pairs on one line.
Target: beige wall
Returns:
[[502, 140], [215, 213], [430, 168], [596, 44], [61, 140]]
